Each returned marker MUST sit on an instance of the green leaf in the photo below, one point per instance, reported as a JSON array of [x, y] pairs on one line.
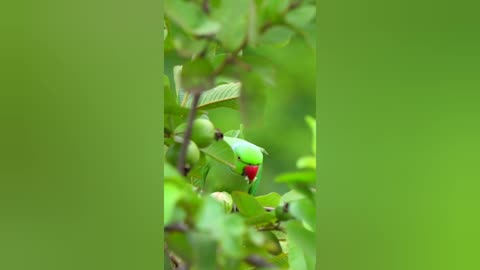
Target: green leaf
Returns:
[[272, 245], [271, 199], [171, 173], [190, 17], [309, 162], [260, 219], [290, 196], [252, 27], [301, 246], [170, 106], [177, 71], [225, 95], [169, 103], [179, 243], [221, 152], [304, 188], [172, 195], [227, 229], [247, 204], [301, 16], [296, 258], [297, 177], [304, 210], [235, 133], [281, 261], [271, 10], [231, 240], [166, 262], [277, 35], [233, 16], [186, 45], [195, 75], [204, 251], [210, 216]]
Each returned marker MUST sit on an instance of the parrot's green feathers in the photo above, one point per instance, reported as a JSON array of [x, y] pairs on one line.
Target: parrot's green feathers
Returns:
[[245, 177], [247, 152]]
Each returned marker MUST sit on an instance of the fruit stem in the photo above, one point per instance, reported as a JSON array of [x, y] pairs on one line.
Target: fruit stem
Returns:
[[188, 134]]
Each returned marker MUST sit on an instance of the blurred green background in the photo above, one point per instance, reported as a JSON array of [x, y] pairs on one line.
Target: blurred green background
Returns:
[[80, 135], [283, 131], [398, 146]]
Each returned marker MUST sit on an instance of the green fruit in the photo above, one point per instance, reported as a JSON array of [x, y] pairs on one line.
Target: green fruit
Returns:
[[225, 198], [203, 132], [282, 214], [193, 154]]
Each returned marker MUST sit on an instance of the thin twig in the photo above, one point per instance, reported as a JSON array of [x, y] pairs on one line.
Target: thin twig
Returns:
[[206, 6], [176, 227], [188, 134], [270, 24], [276, 227], [230, 58], [257, 261], [175, 261]]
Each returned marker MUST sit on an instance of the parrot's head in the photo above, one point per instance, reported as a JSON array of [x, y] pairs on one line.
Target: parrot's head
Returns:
[[249, 159]]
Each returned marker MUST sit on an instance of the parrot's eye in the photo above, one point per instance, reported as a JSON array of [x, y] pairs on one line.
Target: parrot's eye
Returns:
[[238, 158]]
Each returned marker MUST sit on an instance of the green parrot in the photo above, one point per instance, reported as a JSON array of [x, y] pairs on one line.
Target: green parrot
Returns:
[[247, 173]]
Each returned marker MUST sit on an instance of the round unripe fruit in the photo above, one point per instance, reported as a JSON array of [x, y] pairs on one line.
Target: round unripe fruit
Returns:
[[281, 214], [225, 198], [192, 157], [203, 132]]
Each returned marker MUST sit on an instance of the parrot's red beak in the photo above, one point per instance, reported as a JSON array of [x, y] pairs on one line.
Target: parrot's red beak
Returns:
[[251, 172]]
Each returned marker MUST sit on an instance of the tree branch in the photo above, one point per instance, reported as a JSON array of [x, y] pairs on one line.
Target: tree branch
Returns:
[[276, 227], [257, 261], [176, 227], [175, 262], [188, 134]]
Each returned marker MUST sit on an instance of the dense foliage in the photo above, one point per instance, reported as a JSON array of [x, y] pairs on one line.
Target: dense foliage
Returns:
[[220, 43]]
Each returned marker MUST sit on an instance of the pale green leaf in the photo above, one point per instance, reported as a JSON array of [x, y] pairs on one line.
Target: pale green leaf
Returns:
[[238, 133], [309, 162], [195, 75], [233, 16], [290, 196], [301, 246], [225, 95], [172, 195], [222, 152], [281, 261], [177, 71], [204, 251], [271, 199], [260, 219], [247, 205], [278, 35], [190, 17], [301, 16], [186, 45], [304, 210]]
